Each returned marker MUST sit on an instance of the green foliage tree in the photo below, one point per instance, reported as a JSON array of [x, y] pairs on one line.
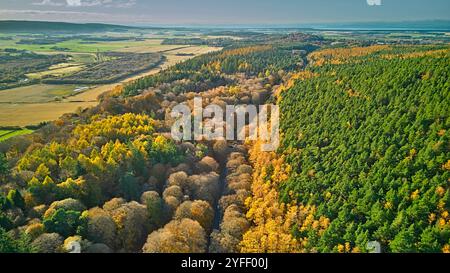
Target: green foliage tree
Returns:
[[5, 221], [10, 245], [155, 207], [129, 187], [65, 223], [15, 199], [4, 166], [4, 203]]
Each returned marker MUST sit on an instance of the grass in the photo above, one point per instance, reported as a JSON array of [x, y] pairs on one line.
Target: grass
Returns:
[[85, 58], [6, 134]]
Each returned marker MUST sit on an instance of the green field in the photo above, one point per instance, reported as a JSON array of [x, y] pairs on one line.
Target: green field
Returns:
[[6, 134], [85, 58]]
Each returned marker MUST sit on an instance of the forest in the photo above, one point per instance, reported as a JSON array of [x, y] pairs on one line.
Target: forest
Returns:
[[111, 179], [215, 69], [364, 158]]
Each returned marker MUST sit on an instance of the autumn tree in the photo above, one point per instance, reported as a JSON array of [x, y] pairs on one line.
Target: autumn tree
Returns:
[[179, 236], [204, 187], [101, 227], [207, 165], [48, 243], [200, 211], [234, 225], [132, 223]]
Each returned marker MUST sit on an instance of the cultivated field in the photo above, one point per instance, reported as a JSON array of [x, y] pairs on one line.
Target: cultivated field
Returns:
[[31, 114], [195, 50], [37, 93]]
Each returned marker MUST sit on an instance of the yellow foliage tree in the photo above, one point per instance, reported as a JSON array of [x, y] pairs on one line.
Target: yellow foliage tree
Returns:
[[273, 221]]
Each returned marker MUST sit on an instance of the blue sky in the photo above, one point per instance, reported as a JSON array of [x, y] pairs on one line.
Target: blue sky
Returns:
[[178, 12]]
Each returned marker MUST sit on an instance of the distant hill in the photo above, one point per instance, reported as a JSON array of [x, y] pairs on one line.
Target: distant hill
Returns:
[[45, 27], [424, 25]]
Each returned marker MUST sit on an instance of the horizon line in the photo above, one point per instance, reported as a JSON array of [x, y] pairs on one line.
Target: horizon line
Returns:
[[237, 25]]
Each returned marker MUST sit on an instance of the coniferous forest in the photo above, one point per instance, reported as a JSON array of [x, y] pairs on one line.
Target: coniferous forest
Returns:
[[371, 150]]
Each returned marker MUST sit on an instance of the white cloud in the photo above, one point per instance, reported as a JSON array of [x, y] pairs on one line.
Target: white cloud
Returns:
[[65, 16], [87, 3], [374, 2], [47, 12], [74, 3], [49, 3]]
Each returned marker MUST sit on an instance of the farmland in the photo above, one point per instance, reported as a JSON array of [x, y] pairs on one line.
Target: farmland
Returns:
[[35, 113], [37, 93], [71, 83]]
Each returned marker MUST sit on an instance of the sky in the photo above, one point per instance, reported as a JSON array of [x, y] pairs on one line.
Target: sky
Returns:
[[224, 12]]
